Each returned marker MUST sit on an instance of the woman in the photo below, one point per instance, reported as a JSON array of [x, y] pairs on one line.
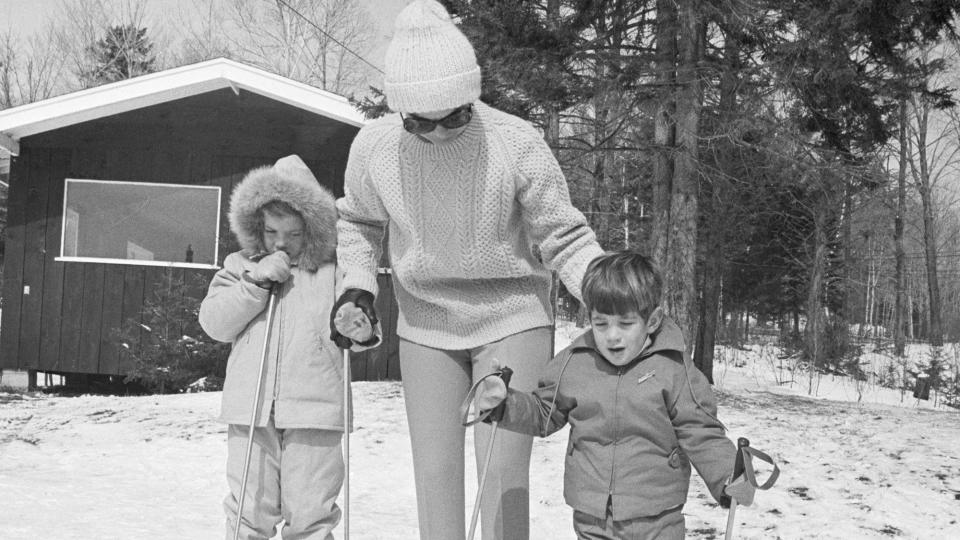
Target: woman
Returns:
[[467, 192]]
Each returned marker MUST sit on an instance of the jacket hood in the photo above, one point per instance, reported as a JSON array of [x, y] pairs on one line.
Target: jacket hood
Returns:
[[667, 339], [288, 180]]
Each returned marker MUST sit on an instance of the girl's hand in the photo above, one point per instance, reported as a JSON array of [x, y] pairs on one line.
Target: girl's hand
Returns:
[[274, 267]]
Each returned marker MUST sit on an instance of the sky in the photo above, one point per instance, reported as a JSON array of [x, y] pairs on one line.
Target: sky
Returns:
[[26, 16], [152, 467]]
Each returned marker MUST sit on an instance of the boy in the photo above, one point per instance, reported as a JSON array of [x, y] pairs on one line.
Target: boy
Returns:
[[639, 413], [285, 223]]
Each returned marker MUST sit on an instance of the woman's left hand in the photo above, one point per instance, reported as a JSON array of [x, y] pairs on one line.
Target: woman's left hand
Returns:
[[353, 323]]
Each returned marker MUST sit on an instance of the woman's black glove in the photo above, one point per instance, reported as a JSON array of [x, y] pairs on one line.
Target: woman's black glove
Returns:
[[360, 298]]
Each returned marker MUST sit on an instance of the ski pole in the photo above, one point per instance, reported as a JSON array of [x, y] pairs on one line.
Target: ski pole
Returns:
[[495, 416], [271, 305], [738, 468], [346, 444]]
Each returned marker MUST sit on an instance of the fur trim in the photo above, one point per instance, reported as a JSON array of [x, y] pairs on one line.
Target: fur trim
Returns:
[[290, 181]]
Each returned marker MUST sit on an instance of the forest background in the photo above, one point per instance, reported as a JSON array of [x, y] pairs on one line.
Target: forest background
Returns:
[[791, 165]]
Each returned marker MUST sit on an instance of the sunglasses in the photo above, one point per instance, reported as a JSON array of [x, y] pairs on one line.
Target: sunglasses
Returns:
[[457, 119]]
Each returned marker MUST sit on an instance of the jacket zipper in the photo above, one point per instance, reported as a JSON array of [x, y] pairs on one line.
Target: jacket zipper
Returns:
[[616, 431]]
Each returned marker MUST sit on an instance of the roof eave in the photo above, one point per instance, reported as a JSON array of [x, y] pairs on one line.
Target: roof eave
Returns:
[[162, 87]]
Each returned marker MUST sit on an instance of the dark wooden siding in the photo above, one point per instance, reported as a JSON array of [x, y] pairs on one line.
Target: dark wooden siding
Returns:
[[382, 363], [65, 324], [13, 264]]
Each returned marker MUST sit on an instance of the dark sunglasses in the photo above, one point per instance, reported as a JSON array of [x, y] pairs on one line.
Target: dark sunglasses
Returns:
[[457, 119]]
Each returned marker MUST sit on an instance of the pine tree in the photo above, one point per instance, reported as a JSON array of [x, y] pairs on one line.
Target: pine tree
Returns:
[[372, 106], [847, 65], [163, 348], [124, 52]]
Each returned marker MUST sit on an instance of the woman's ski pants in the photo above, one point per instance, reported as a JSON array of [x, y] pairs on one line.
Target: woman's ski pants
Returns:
[[435, 382]]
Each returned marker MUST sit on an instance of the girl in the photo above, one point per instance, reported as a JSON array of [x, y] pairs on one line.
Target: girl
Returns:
[[284, 222]]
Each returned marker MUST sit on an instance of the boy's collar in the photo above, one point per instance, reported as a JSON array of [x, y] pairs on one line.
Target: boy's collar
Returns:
[[584, 341], [667, 338]]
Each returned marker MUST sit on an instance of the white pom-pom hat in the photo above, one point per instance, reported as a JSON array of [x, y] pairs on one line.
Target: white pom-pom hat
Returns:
[[430, 64]]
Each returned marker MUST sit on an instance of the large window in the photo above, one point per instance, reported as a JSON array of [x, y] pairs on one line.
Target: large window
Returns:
[[140, 223]]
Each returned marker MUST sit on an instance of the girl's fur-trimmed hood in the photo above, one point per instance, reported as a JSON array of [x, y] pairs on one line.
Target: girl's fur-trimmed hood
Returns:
[[288, 180]]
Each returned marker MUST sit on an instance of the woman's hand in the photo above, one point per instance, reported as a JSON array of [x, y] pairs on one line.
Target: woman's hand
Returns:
[[353, 323], [342, 317]]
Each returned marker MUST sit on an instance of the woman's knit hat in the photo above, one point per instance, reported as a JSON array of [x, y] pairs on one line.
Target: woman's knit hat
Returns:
[[430, 65]]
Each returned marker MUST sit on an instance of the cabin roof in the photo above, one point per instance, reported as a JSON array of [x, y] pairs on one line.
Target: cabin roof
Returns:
[[161, 87]]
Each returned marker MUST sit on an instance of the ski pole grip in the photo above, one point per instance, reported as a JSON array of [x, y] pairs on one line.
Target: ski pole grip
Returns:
[[505, 374], [738, 466], [497, 413]]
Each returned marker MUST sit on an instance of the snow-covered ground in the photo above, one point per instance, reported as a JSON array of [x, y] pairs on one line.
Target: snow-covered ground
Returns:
[[886, 466]]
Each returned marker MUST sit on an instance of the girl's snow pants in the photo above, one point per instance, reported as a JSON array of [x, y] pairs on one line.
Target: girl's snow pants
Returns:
[[435, 382], [295, 476]]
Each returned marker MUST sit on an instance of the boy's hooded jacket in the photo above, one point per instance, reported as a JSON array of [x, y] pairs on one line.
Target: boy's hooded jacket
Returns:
[[303, 380], [634, 429]]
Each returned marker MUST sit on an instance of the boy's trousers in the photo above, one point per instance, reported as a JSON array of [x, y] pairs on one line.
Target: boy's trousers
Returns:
[[435, 382], [295, 476], [668, 525]]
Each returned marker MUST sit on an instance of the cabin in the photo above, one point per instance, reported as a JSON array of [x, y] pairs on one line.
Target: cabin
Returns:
[[111, 189]]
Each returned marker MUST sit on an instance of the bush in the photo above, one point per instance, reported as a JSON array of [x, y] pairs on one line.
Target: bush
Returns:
[[164, 349]]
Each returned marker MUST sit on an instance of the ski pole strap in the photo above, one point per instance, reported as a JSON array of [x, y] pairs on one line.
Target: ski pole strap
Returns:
[[747, 453], [495, 413]]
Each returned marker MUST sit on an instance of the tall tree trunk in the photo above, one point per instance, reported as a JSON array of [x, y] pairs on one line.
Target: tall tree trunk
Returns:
[[911, 333], [733, 329], [713, 239], [866, 290], [664, 128], [899, 343], [816, 324], [846, 231], [709, 304], [929, 229], [600, 199], [625, 208], [552, 136], [679, 272], [933, 284]]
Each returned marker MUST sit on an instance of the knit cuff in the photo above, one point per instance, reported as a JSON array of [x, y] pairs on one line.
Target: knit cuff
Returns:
[[360, 280]]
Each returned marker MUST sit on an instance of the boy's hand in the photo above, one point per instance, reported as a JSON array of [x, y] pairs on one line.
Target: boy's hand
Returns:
[[353, 323], [274, 267], [741, 490], [491, 392], [487, 397]]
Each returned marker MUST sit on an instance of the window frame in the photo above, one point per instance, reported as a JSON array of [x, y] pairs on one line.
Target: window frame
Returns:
[[139, 262]]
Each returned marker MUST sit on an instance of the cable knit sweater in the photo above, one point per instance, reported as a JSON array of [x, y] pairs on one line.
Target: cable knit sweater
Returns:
[[463, 219]]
